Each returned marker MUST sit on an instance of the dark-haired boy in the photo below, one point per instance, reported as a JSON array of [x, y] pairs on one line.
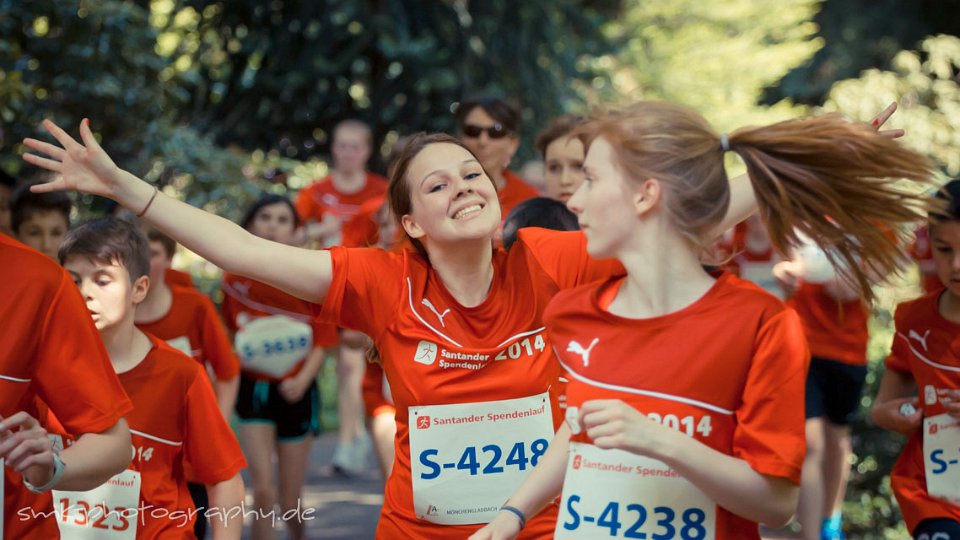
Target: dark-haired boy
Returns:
[[40, 220], [175, 423]]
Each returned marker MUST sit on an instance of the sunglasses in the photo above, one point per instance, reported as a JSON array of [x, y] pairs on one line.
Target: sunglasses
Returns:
[[496, 131]]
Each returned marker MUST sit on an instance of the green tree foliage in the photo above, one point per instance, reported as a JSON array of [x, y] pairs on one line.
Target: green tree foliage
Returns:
[[280, 74], [926, 83], [862, 34], [70, 60], [716, 57]]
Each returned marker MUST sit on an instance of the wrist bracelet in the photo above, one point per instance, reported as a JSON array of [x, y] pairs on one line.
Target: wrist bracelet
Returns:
[[515, 511], [152, 197], [58, 467]]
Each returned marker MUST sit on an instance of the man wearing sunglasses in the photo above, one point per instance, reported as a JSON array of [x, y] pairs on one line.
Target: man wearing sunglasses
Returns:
[[489, 127]]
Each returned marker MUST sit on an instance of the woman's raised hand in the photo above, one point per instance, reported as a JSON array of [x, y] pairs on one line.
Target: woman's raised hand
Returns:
[[881, 119], [79, 167]]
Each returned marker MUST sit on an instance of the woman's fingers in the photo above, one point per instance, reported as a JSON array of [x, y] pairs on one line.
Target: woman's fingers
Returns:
[[44, 163], [87, 136], [892, 133], [44, 147], [884, 115], [60, 135]]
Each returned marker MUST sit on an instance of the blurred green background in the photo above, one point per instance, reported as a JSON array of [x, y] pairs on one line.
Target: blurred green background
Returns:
[[219, 101]]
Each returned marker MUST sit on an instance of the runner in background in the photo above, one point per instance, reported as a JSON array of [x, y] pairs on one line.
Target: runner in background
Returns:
[[926, 359], [325, 208], [490, 129], [282, 350], [188, 322], [700, 434], [562, 158], [834, 320], [40, 220], [537, 212], [459, 324], [51, 352], [747, 252], [176, 427]]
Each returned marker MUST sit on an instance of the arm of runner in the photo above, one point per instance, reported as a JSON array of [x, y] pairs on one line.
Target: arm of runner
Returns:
[[728, 480], [743, 202], [87, 168], [292, 389], [897, 389], [227, 497], [226, 392], [535, 493], [90, 461]]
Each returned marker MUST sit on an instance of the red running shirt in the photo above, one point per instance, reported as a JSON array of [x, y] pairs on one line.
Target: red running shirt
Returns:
[[193, 326], [835, 330], [729, 370]]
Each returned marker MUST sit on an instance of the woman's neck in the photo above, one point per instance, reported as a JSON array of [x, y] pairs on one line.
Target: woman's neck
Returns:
[[664, 275], [465, 269]]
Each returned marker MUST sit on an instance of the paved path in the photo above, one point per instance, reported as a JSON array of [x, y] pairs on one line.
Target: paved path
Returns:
[[343, 509]]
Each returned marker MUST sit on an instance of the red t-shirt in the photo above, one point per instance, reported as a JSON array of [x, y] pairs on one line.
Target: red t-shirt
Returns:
[[322, 197], [51, 351], [193, 327], [398, 300], [362, 230], [244, 298], [927, 347], [177, 431], [835, 330], [178, 278], [514, 192], [729, 369]]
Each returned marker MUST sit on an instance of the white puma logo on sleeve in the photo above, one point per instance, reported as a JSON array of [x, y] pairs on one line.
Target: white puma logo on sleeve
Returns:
[[577, 348]]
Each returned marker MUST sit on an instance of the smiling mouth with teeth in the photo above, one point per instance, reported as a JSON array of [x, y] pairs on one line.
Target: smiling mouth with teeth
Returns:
[[467, 211]]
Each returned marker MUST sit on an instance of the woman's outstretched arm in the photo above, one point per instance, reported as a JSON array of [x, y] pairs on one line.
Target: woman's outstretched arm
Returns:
[[86, 167]]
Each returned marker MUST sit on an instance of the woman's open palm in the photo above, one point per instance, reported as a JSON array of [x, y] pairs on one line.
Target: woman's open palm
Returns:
[[80, 167]]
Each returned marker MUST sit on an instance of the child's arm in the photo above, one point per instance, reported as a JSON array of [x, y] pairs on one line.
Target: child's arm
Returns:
[[728, 480], [226, 392], [86, 167], [90, 461], [292, 389], [542, 486], [897, 389], [227, 497]]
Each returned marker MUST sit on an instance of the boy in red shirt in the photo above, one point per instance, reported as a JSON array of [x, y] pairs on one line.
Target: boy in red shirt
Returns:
[[175, 424], [926, 359]]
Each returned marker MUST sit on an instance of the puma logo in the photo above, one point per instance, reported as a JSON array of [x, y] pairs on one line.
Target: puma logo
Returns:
[[921, 339], [439, 315], [577, 348]]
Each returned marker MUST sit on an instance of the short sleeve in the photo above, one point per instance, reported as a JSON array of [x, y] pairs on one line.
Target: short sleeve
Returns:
[[211, 450], [899, 359], [770, 420], [365, 290], [563, 257], [216, 345], [73, 371]]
